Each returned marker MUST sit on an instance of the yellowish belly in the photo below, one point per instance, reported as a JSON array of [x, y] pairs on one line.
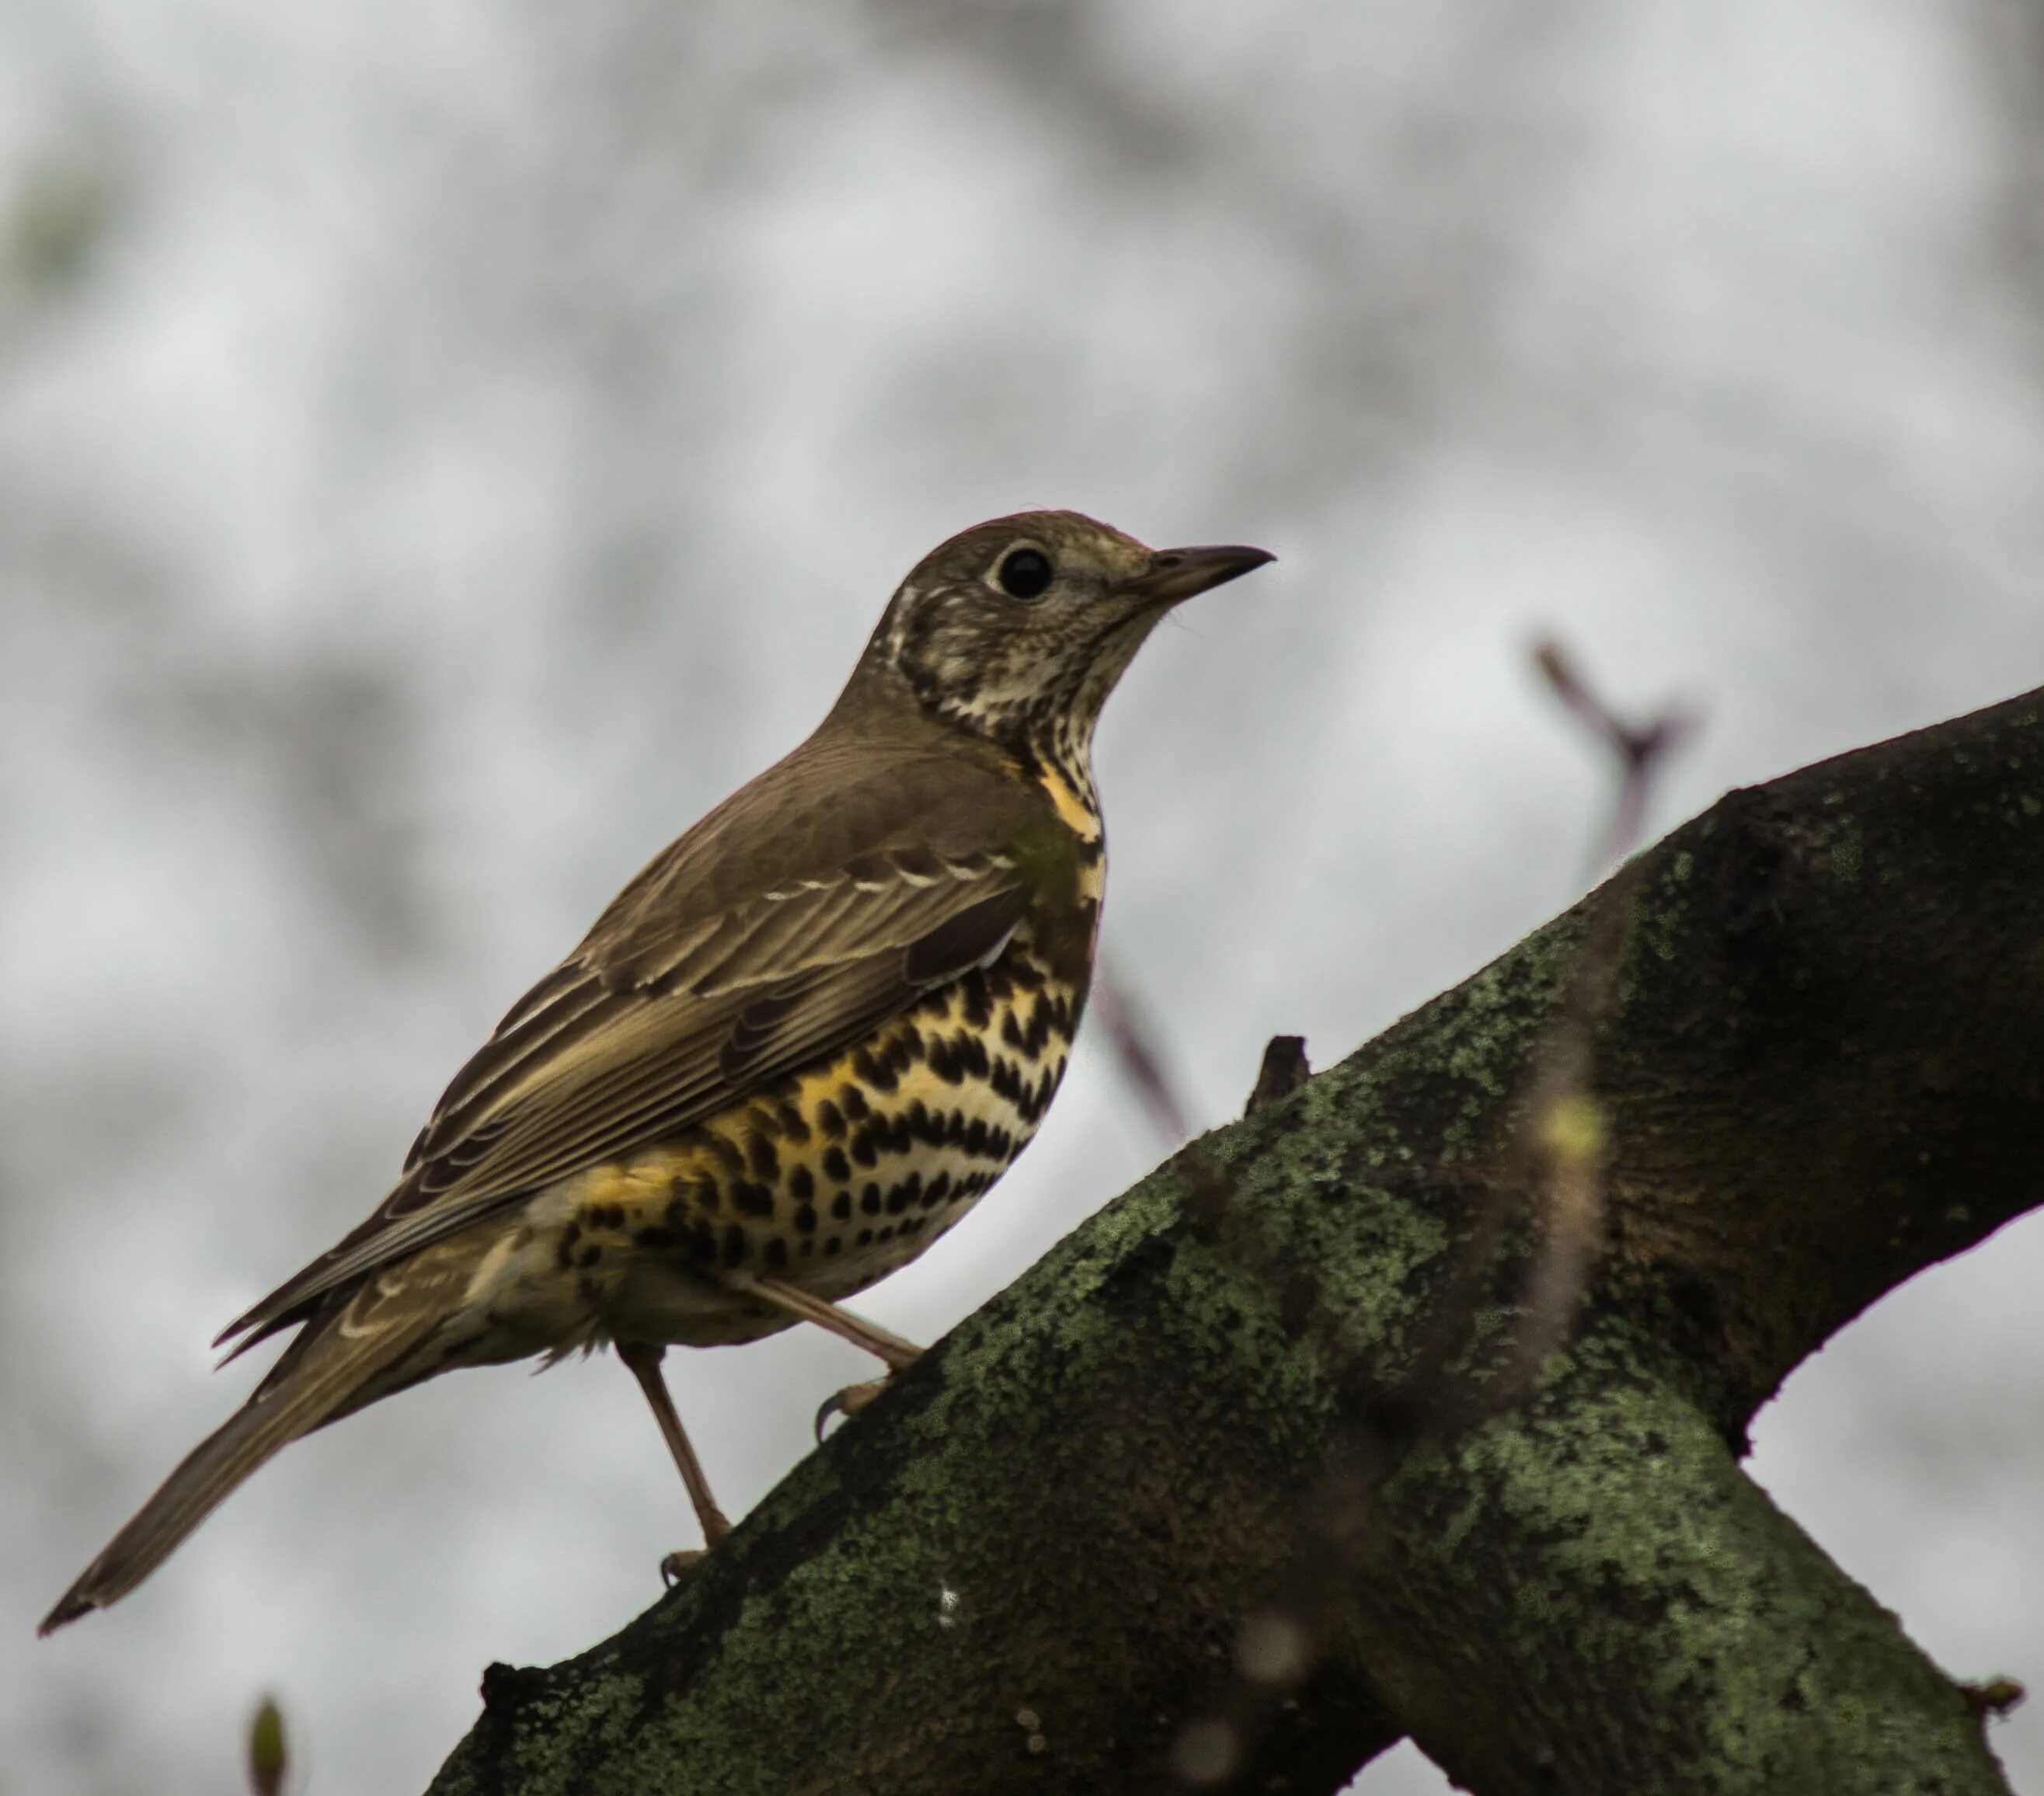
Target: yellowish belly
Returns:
[[831, 1179]]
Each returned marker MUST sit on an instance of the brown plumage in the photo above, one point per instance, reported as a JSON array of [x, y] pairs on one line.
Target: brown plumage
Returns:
[[790, 1053]]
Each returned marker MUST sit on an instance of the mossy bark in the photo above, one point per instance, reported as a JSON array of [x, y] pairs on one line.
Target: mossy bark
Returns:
[[1044, 1557]]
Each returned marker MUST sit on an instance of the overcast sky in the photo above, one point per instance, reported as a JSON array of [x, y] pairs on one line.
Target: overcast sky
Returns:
[[444, 448]]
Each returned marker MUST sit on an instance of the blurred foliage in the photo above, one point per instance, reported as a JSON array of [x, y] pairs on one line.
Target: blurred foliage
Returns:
[[62, 211]]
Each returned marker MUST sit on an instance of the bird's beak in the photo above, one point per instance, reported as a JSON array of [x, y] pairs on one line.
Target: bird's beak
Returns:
[[1175, 574]]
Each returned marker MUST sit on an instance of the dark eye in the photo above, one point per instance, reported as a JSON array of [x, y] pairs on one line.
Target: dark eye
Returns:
[[1025, 573]]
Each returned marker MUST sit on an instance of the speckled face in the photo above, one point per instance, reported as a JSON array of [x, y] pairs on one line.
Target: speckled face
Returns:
[[1018, 628]]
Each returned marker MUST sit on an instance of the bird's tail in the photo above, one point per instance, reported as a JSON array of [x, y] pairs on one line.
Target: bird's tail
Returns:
[[327, 1372]]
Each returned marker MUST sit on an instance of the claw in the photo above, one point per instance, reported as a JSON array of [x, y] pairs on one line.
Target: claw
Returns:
[[678, 1565], [848, 1402]]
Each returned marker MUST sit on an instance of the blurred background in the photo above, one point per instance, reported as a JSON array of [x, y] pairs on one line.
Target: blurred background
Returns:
[[444, 448]]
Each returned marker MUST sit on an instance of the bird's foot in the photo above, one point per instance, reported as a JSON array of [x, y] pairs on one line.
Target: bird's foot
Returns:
[[678, 1565], [849, 1401]]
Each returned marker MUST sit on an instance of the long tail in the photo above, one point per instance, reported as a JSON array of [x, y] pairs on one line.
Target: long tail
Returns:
[[327, 1371]]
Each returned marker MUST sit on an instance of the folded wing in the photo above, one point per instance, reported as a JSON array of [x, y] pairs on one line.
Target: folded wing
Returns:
[[668, 1015]]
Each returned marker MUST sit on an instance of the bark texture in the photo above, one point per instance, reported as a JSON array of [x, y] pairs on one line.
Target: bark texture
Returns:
[[1235, 1484]]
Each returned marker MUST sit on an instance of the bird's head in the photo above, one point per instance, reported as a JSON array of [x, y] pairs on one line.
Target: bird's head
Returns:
[[1018, 628]]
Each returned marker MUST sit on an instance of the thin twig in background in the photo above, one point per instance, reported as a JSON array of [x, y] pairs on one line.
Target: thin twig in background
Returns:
[[1640, 750], [1550, 1161], [1129, 1035]]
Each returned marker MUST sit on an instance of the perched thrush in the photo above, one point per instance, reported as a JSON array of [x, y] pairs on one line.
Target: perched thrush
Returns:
[[794, 1051]]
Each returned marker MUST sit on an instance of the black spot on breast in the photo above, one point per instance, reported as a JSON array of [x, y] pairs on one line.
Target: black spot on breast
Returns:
[[1011, 1032], [736, 1245], [1030, 1097], [832, 1245], [654, 1237], [865, 1238], [1038, 1031], [972, 990], [938, 1189], [913, 1225], [836, 1167], [841, 1205], [869, 1200], [886, 1233], [726, 1151], [972, 1049], [792, 1123], [607, 1216], [831, 1120], [975, 1137], [759, 1152], [874, 1072], [777, 1251], [801, 1184], [704, 1193], [862, 1148], [905, 1194], [944, 1063], [750, 1199], [853, 1099], [590, 1256], [805, 1219]]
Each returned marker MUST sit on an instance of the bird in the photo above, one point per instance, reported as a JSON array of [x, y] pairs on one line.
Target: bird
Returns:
[[792, 1053]]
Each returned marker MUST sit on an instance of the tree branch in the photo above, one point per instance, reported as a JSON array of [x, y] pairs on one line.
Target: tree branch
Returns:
[[1029, 1566]]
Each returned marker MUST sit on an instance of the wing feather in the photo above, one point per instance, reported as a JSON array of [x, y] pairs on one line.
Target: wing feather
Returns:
[[658, 1021]]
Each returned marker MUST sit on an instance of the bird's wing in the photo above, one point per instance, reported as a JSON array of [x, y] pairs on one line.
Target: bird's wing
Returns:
[[671, 1012]]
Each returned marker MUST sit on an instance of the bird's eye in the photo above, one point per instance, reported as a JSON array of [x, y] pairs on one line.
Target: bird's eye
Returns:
[[1025, 573]]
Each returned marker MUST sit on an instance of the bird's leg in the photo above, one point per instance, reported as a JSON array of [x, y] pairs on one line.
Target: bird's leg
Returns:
[[644, 1363], [898, 1354]]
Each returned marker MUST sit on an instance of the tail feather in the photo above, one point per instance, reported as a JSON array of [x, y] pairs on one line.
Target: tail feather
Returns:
[[324, 1373]]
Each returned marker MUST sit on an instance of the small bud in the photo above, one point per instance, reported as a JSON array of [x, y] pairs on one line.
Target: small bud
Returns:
[[268, 1760]]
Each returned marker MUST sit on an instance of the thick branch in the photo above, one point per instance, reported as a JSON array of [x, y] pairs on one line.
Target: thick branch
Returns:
[[1028, 1566]]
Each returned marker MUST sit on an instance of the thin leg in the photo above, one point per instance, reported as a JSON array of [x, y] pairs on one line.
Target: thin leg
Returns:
[[644, 1363], [899, 1354]]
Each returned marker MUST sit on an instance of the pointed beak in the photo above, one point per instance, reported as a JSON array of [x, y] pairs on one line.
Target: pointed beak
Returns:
[[1175, 574]]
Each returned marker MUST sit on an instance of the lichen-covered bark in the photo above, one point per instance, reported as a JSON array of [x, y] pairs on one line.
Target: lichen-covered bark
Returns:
[[1028, 1568]]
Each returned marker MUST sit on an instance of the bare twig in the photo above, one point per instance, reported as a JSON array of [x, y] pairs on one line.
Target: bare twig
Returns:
[[1283, 1072], [1129, 1032], [1639, 750]]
